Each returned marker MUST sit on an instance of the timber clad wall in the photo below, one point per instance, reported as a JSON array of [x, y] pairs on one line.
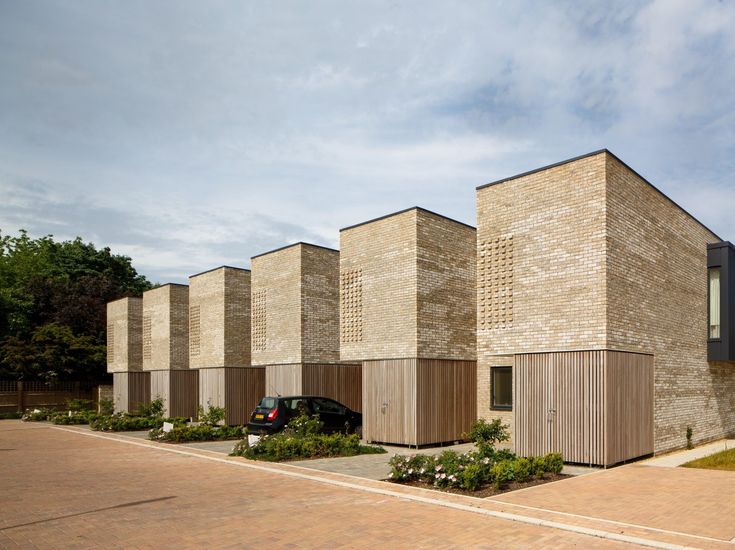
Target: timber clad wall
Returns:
[[166, 328], [237, 389], [179, 390], [595, 407], [219, 318], [417, 401], [131, 390], [124, 335]]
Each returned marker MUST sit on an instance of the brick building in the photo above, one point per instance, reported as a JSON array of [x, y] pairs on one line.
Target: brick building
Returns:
[[592, 328], [407, 294], [295, 324], [219, 342], [165, 330], [131, 386]]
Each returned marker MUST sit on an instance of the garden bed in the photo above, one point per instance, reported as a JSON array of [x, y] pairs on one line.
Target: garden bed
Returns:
[[487, 490]]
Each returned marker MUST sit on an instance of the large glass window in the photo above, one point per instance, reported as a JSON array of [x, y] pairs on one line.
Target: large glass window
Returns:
[[502, 388], [714, 303]]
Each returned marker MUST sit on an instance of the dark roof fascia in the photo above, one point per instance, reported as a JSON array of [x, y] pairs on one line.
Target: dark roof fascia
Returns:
[[168, 284], [300, 243], [721, 244], [217, 268], [592, 154], [417, 208]]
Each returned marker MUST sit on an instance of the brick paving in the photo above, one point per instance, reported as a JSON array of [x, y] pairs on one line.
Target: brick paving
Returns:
[[62, 490]]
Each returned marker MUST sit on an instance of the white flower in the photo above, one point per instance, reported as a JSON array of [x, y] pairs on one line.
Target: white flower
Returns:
[[436, 476], [410, 471], [390, 474], [422, 470], [438, 468], [443, 476], [486, 460], [461, 466]]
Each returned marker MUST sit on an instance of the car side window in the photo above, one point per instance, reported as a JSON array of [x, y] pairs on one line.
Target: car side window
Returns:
[[296, 405], [327, 406]]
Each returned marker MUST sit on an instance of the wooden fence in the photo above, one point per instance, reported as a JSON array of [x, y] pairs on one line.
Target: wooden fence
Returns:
[[17, 395]]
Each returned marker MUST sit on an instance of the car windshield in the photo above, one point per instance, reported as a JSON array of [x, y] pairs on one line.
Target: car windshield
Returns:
[[268, 403]]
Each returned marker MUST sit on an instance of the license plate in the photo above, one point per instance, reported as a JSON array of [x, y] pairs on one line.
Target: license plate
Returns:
[[259, 416]]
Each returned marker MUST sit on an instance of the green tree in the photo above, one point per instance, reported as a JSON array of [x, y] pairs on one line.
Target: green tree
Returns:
[[53, 298]]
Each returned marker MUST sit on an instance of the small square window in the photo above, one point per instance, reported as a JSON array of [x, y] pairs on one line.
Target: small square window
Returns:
[[501, 388]]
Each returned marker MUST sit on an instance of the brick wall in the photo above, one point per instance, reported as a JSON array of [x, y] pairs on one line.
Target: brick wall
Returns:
[[601, 260], [446, 283], [295, 306], [541, 266], [407, 288], [657, 303], [166, 328], [219, 318], [319, 304], [124, 335]]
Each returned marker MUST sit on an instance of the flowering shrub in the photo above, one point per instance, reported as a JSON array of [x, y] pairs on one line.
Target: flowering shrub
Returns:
[[214, 415], [302, 438], [73, 417], [123, 422], [477, 468], [37, 415]]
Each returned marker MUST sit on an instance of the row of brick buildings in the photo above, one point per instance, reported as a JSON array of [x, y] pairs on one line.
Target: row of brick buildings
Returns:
[[587, 310]]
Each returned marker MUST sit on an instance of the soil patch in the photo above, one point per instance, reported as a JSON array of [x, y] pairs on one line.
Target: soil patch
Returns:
[[485, 491]]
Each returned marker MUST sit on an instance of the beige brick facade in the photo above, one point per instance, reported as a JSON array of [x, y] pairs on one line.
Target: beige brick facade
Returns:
[[219, 318], [124, 335], [407, 288], [295, 306], [600, 260], [166, 328]]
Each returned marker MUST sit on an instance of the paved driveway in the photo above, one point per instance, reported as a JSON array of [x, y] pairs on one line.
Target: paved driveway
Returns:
[[63, 488]]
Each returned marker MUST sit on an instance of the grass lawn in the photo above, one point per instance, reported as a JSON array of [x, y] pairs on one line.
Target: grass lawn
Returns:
[[724, 460]]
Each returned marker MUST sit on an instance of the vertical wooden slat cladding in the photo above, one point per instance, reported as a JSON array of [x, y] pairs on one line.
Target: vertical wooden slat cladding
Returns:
[[418, 401], [629, 392], [244, 388], [131, 390], [179, 390], [237, 389], [284, 379], [595, 407], [341, 382]]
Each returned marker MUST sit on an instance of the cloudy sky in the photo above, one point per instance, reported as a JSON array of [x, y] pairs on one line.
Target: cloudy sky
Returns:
[[193, 134]]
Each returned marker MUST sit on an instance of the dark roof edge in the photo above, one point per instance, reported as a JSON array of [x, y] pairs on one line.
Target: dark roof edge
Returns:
[[721, 244], [403, 212], [294, 244], [220, 267], [613, 155]]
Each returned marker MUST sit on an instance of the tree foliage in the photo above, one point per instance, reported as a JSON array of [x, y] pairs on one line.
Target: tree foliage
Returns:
[[53, 298]]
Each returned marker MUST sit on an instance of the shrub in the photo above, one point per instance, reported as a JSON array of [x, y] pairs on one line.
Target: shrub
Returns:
[[521, 469], [73, 417], [690, 433], [473, 476], [537, 466], [214, 415], [78, 405], [154, 409], [502, 473], [553, 463], [14, 415], [107, 406], [302, 439], [488, 433], [37, 415], [122, 422], [205, 432], [411, 468]]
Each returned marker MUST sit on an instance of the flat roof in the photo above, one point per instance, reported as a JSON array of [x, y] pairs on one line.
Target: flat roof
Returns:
[[403, 212], [294, 244], [217, 268], [587, 155], [165, 285]]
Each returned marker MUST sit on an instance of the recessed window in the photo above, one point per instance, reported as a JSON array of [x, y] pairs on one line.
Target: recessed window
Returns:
[[501, 389], [714, 303]]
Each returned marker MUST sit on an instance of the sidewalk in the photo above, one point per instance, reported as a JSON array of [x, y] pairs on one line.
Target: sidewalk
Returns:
[[677, 458]]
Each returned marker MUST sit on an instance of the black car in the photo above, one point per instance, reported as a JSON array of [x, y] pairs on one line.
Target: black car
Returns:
[[273, 413]]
